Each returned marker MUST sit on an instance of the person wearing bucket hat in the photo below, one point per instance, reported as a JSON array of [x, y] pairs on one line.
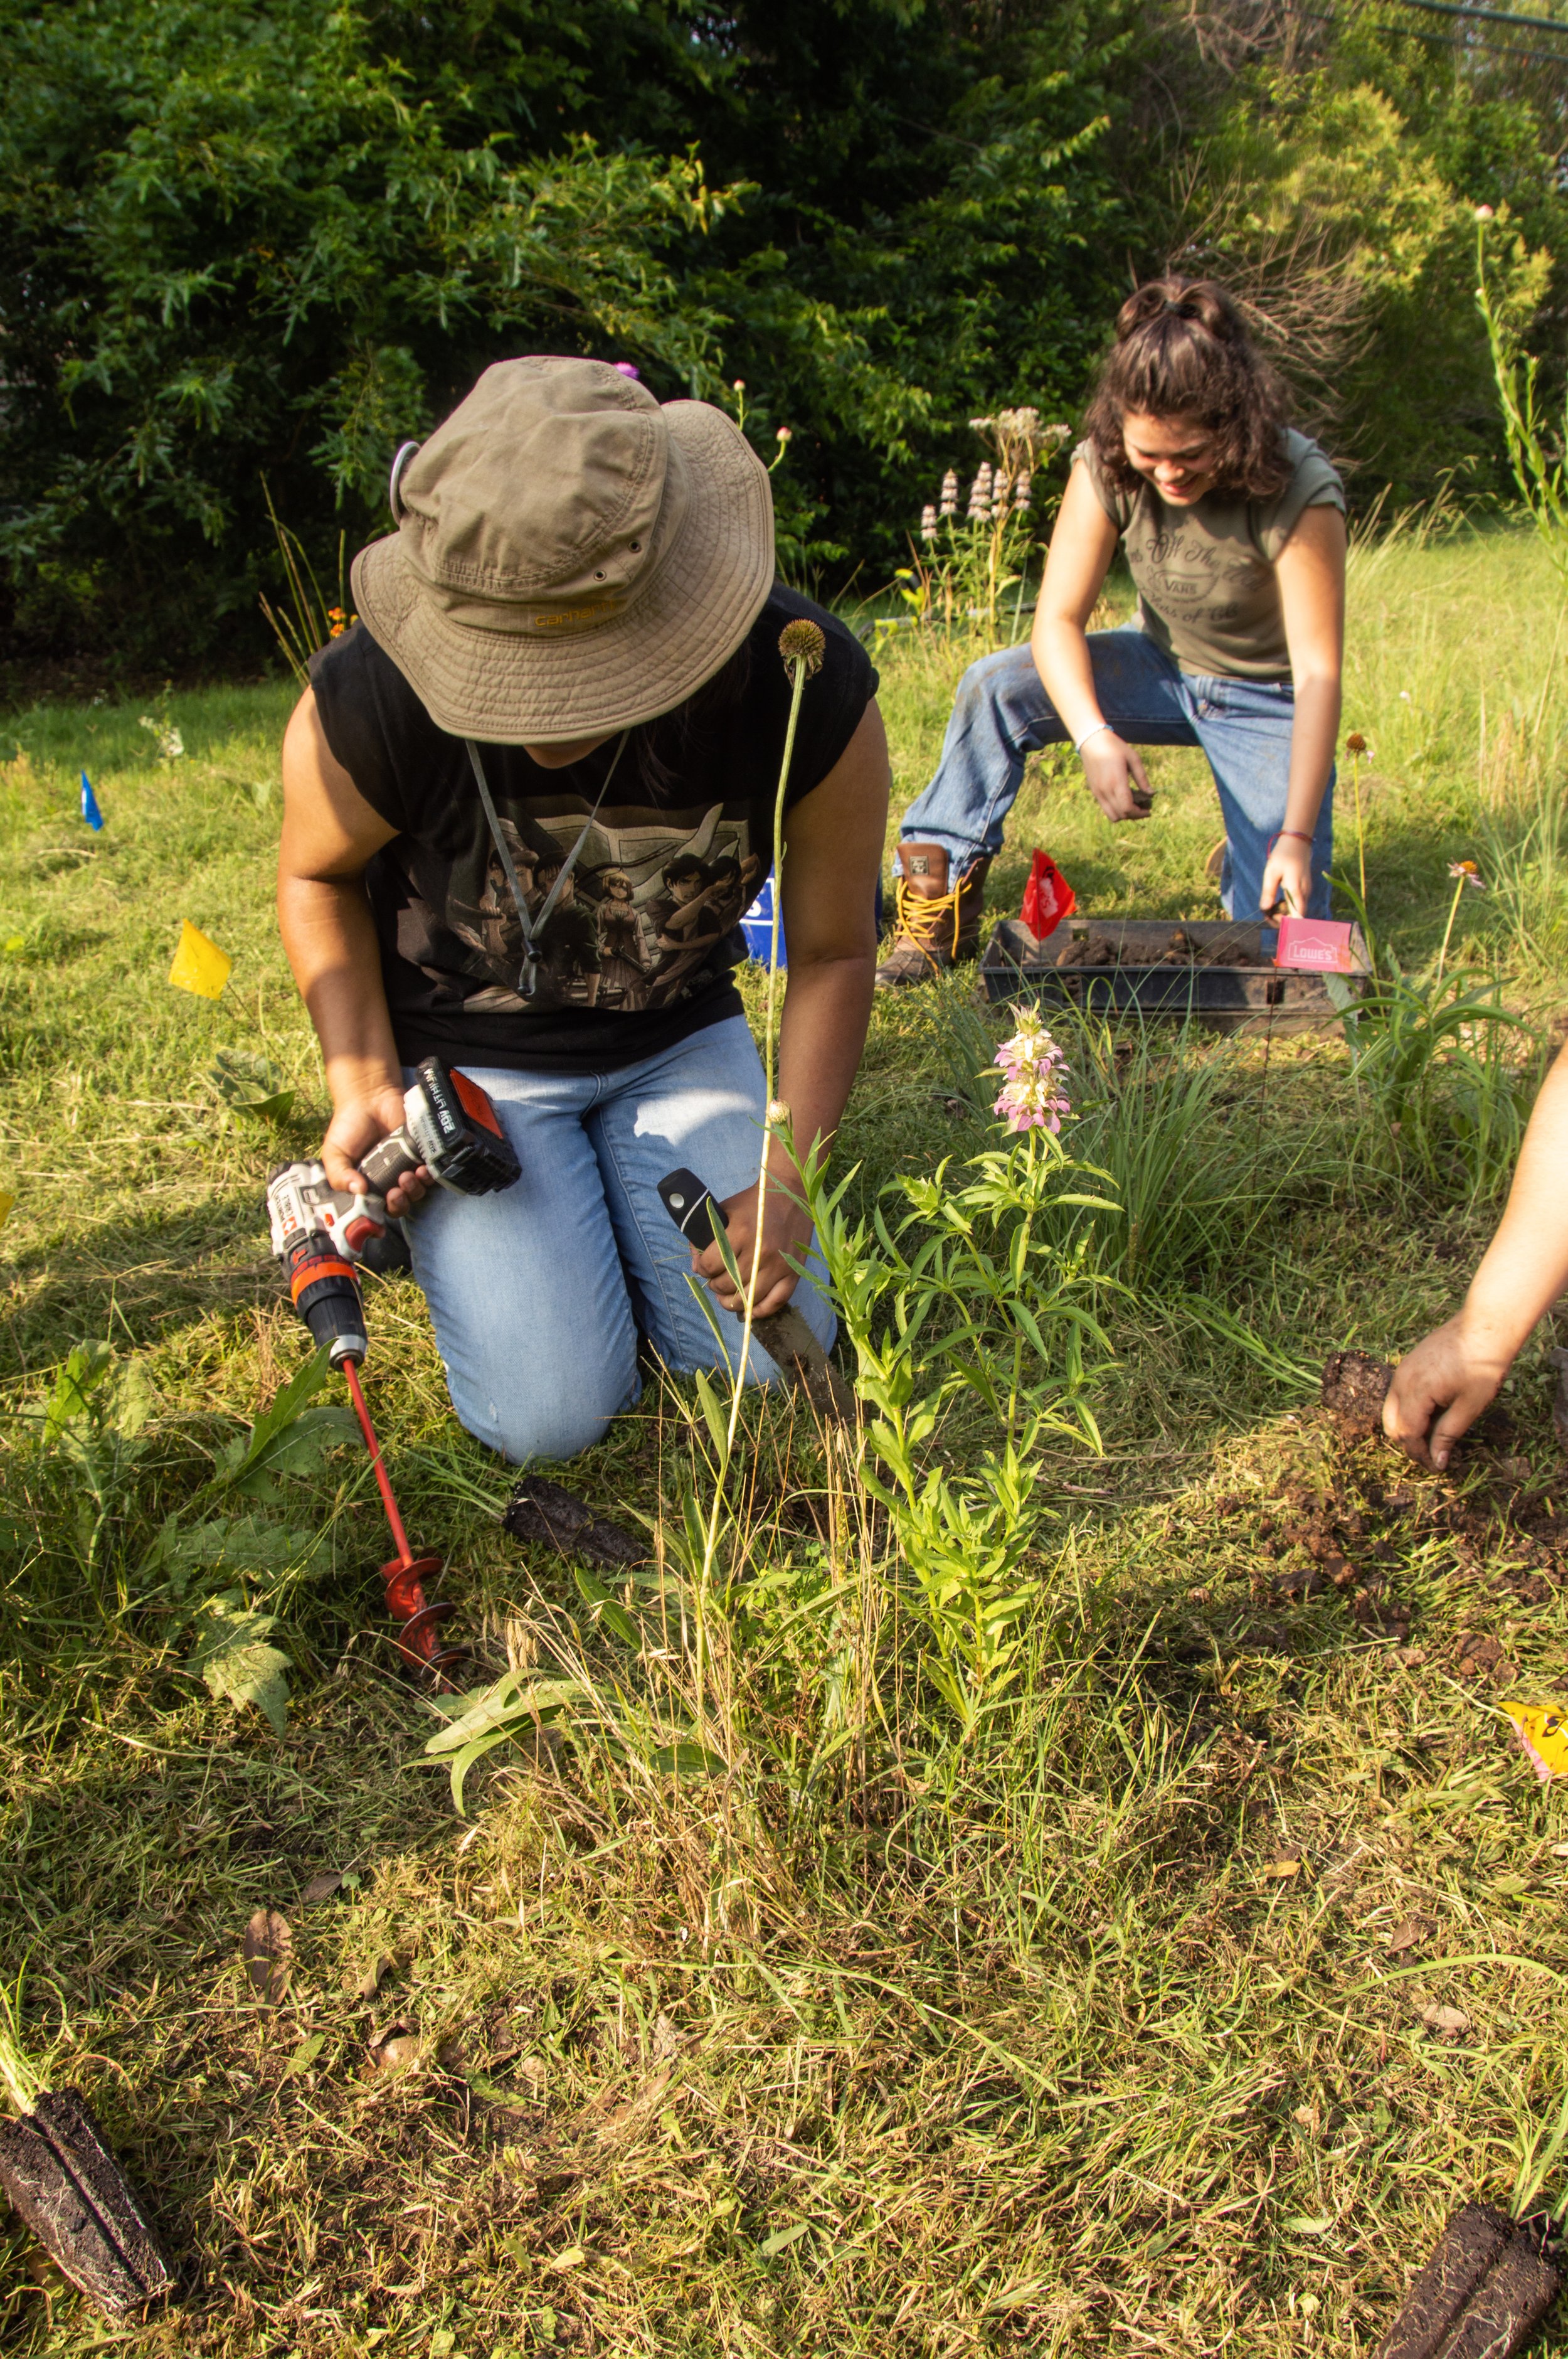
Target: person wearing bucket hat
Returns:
[[524, 797]]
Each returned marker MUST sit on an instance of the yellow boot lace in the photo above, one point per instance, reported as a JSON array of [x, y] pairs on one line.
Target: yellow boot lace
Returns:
[[921, 917]]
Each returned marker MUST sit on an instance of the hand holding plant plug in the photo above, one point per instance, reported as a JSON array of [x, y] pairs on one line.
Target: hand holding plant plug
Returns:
[[1440, 1388]]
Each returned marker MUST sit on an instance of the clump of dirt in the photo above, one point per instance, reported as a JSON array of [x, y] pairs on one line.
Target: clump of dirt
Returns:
[[1091, 950], [543, 1515], [1349, 1529], [1354, 1387]]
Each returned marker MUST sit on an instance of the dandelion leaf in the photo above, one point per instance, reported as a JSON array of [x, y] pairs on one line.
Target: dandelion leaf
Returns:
[[234, 1657], [251, 1085]]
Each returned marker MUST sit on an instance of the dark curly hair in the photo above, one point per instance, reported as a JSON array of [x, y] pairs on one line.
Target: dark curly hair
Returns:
[[1181, 350]]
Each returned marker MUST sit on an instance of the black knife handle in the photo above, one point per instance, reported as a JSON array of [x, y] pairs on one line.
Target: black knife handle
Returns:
[[693, 1207]]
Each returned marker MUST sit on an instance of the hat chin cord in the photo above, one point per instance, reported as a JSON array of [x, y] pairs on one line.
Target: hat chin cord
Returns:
[[394, 483]]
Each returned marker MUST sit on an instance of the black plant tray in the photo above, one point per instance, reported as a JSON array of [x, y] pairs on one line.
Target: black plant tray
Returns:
[[1259, 996]]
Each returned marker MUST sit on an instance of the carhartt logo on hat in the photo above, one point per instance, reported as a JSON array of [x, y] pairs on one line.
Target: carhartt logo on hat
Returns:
[[571, 557]]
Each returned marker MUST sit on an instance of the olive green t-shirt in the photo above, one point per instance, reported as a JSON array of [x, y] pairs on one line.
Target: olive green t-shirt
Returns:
[[1207, 591]]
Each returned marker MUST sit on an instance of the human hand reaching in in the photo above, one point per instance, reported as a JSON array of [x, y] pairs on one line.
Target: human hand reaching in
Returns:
[[1116, 776], [1287, 878], [358, 1124], [1440, 1390]]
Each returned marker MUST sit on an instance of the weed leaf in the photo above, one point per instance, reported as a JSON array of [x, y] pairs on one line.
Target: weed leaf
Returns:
[[304, 2054], [288, 1438], [250, 1085], [688, 1761], [508, 1702], [464, 1761], [234, 1657]]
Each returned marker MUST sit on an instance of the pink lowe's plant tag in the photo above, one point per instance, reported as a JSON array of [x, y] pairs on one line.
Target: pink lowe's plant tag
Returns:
[[1323, 946]]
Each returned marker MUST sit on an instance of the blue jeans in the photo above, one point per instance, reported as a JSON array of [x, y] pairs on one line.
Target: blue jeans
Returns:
[[537, 1294], [1002, 713]]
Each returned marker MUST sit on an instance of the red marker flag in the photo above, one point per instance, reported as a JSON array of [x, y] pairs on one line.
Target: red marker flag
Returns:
[[1047, 897]]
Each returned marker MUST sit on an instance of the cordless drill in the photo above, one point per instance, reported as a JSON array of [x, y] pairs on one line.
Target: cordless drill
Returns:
[[319, 1232]]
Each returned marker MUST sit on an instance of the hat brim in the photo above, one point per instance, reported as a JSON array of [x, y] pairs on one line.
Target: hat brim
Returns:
[[515, 688]]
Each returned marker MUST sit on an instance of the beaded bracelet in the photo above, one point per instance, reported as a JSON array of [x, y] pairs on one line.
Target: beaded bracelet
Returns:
[[1084, 740]]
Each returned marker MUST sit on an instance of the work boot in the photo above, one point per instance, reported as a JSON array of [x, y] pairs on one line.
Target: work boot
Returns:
[[936, 927]]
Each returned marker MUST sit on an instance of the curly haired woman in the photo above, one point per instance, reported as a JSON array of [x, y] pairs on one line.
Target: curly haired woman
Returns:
[[1233, 527]]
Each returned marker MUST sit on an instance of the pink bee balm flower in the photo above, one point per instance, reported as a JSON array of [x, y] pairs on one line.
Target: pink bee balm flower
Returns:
[[1032, 1066], [1030, 1103]]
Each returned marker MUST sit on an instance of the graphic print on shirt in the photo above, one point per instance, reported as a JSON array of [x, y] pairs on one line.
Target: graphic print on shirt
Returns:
[[1181, 573], [636, 924]]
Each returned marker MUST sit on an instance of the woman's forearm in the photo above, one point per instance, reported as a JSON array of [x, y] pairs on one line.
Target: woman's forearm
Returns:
[[1525, 1267], [328, 935], [1061, 650], [1313, 740], [827, 1005]]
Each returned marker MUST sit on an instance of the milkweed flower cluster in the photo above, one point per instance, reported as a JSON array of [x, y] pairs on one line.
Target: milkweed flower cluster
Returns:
[[170, 744], [1034, 1068]]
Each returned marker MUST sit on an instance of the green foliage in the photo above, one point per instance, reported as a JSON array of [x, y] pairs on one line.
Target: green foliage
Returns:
[[234, 1659], [244, 253], [1448, 1074], [1536, 450], [1338, 196], [256, 242], [976, 1306], [254, 249]]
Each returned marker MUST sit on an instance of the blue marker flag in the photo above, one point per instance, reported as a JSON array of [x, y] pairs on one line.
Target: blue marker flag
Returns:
[[90, 811]]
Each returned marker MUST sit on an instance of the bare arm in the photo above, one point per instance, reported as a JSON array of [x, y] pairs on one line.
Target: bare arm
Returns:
[[1457, 1368], [833, 849], [1082, 547], [330, 832], [1311, 570]]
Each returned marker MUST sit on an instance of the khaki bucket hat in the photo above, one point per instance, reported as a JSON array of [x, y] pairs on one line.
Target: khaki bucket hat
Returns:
[[571, 556]]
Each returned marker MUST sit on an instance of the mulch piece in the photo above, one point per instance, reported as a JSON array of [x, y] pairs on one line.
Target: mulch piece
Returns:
[[1482, 2295], [68, 2188]]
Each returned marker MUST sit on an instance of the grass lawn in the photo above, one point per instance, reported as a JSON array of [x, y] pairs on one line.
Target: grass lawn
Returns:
[[1169, 2007]]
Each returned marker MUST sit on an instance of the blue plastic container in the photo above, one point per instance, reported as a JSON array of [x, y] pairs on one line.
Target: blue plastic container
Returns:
[[757, 925]]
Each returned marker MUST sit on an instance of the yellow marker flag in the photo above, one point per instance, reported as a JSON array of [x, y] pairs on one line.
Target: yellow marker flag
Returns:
[[1543, 1730], [200, 965], [8, 1206]]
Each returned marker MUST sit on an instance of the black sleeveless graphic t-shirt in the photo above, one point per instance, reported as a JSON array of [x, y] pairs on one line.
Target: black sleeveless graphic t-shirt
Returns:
[[641, 946]]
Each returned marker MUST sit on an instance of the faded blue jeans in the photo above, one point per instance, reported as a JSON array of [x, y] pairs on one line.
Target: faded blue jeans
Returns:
[[1002, 713], [537, 1294]]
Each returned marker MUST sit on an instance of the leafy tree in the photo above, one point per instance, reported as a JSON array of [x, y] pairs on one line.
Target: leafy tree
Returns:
[[251, 248]]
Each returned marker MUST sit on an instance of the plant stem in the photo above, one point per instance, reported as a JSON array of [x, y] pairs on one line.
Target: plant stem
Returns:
[[1023, 1265], [1448, 928], [1360, 833], [710, 1537]]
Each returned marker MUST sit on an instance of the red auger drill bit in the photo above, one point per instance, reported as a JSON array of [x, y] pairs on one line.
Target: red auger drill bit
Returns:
[[320, 1234], [419, 1637]]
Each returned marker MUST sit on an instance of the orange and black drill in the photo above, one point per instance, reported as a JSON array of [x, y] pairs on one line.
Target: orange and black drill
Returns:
[[320, 1233]]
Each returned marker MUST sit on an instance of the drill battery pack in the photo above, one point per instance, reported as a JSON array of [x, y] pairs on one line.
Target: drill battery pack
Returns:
[[450, 1126]]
